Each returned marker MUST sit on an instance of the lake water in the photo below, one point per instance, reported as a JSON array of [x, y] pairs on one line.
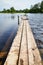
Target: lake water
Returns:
[[9, 27], [36, 23]]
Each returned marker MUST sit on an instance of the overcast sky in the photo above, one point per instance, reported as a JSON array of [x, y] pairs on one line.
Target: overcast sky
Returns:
[[17, 4]]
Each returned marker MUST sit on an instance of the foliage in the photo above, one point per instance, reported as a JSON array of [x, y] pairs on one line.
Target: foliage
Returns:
[[37, 8], [41, 7]]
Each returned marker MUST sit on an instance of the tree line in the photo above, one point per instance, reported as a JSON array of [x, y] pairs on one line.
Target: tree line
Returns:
[[37, 8]]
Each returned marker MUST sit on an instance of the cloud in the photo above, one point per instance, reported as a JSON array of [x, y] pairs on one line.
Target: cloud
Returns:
[[17, 4]]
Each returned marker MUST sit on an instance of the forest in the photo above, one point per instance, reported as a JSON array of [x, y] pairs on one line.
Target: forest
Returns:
[[37, 8]]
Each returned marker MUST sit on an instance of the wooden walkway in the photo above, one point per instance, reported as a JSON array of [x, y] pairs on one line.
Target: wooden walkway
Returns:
[[24, 50]]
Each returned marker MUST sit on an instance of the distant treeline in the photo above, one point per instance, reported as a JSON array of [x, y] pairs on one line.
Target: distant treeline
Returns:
[[37, 8]]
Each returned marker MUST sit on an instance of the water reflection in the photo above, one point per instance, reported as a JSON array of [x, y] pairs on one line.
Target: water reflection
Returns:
[[8, 29], [12, 17]]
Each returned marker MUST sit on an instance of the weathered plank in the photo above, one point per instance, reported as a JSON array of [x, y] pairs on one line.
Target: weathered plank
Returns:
[[23, 59], [34, 55]]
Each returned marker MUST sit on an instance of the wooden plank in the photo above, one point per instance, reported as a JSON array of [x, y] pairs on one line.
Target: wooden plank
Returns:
[[13, 53], [34, 55], [23, 59]]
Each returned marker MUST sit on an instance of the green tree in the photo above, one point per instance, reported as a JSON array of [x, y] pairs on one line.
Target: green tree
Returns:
[[41, 7], [8, 11], [35, 8], [4, 10], [26, 10], [12, 10]]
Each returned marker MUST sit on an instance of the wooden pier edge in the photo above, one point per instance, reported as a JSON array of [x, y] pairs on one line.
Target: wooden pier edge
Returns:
[[24, 50]]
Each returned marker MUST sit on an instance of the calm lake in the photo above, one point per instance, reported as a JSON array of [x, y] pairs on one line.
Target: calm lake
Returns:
[[9, 27]]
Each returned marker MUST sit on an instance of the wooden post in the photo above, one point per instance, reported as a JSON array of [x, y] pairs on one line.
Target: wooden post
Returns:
[[18, 19]]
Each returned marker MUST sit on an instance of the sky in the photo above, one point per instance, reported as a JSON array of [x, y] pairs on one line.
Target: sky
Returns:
[[17, 4]]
